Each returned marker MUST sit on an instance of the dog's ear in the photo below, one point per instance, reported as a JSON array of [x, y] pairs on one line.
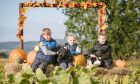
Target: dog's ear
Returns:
[[62, 52], [59, 47], [87, 56]]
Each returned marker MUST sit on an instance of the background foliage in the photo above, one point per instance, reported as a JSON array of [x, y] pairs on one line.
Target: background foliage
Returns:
[[123, 26]]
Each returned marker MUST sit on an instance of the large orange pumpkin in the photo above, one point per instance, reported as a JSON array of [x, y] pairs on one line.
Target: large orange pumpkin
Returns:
[[17, 55], [79, 60], [31, 56], [120, 63]]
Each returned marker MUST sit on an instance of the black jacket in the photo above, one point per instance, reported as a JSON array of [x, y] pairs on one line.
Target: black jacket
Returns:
[[103, 51]]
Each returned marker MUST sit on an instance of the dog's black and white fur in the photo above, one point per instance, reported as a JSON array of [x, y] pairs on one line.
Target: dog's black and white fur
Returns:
[[92, 60]]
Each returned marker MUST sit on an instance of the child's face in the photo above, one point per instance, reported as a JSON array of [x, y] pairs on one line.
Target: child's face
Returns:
[[102, 39], [71, 40], [47, 36]]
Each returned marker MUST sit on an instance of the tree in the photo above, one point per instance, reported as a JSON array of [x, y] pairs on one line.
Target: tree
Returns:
[[124, 27], [123, 20], [82, 22]]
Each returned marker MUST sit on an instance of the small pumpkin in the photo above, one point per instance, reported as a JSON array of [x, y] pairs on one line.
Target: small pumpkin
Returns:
[[79, 60], [31, 56], [17, 55], [120, 63]]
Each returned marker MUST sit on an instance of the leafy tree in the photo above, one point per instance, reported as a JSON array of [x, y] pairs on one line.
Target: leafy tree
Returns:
[[123, 30], [83, 23]]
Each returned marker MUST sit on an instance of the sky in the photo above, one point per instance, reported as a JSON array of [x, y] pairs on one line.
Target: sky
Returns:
[[37, 19]]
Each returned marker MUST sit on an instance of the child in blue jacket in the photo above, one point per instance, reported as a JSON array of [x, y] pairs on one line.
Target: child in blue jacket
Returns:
[[73, 48], [47, 51]]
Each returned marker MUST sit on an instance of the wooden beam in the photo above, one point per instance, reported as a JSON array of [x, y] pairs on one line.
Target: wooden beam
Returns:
[[21, 42]]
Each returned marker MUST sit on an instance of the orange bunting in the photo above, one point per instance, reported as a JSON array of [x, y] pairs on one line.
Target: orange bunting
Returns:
[[104, 26], [64, 4], [94, 4], [104, 18], [36, 4], [89, 4], [25, 4], [83, 4]]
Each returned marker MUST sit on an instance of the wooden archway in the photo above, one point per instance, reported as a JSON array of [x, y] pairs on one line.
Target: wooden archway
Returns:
[[23, 7]]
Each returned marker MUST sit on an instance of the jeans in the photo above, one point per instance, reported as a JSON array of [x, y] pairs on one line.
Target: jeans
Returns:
[[107, 63], [65, 64], [39, 63]]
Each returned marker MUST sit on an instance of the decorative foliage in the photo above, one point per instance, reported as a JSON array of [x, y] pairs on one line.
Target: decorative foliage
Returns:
[[64, 4]]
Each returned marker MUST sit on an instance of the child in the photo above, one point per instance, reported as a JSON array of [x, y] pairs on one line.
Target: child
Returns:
[[73, 48], [102, 51], [47, 51]]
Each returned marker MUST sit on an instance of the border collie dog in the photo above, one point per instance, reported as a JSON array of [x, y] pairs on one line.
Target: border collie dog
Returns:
[[93, 61]]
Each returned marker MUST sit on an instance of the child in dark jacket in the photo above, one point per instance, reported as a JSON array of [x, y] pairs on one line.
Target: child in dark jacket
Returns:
[[47, 51], [73, 49], [102, 50]]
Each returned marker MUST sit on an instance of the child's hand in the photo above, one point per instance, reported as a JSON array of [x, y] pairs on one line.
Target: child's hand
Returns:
[[66, 48], [99, 58], [57, 53]]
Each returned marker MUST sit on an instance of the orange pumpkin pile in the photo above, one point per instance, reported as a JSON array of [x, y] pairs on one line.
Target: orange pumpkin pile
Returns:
[[79, 60], [31, 56], [17, 55], [120, 63]]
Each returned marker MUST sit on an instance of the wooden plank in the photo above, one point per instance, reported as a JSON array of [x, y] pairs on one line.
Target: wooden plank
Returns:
[[21, 42]]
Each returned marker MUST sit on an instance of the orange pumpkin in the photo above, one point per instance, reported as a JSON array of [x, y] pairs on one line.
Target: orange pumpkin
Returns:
[[31, 56], [120, 63], [79, 60], [17, 55]]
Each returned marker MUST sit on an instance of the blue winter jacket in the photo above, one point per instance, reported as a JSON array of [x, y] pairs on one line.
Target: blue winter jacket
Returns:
[[50, 45]]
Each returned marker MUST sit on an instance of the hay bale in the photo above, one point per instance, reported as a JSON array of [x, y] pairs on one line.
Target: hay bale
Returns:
[[119, 71], [101, 71], [4, 61], [12, 68], [113, 71]]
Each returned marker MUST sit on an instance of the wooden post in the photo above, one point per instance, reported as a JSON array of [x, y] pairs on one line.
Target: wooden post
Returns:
[[99, 21], [67, 5], [21, 40]]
